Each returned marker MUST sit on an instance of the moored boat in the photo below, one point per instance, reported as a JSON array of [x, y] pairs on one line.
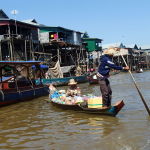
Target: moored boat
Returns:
[[16, 83], [63, 81], [139, 70]]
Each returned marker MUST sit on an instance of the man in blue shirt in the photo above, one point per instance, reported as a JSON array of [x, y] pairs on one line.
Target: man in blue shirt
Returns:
[[103, 73]]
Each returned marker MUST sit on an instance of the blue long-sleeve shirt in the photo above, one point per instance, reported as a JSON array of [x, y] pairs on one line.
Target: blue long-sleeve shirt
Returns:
[[106, 64]]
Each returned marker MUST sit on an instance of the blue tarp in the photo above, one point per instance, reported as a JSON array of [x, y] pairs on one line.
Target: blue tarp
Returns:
[[41, 66], [5, 78], [31, 61]]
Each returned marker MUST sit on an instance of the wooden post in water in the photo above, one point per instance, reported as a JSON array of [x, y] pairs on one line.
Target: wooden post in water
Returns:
[[146, 62]]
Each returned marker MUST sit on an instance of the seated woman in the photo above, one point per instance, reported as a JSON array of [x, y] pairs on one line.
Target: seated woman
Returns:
[[73, 90]]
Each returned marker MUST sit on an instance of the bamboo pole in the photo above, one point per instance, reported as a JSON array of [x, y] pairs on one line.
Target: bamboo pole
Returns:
[[0, 51], [11, 50], [142, 98], [9, 43], [25, 47], [30, 48], [33, 56]]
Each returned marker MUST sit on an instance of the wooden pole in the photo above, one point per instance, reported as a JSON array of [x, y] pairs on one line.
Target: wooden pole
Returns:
[[10, 44], [58, 53], [32, 46], [142, 98], [11, 50], [146, 61], [0, 51], [25, 47], [30, 49]]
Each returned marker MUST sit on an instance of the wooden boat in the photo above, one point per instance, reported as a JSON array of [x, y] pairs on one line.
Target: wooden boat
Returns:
[[82, 107], [63, 81], [139, 71], [14, 89]]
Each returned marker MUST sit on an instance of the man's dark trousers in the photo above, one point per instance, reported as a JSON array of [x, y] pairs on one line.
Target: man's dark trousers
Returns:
[[105, 91]]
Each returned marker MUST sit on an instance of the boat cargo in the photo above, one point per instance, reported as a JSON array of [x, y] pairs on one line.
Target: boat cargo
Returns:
[[82, 105]]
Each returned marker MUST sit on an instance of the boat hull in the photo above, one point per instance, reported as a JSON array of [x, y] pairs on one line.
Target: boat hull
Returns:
[[64, 81], [11, 96], [112, 111]]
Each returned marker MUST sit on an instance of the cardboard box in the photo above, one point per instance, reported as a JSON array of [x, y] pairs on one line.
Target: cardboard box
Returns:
[[95, 102]]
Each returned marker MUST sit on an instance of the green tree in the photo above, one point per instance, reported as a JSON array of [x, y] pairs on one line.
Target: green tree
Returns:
[[135, 47], [85, 35]]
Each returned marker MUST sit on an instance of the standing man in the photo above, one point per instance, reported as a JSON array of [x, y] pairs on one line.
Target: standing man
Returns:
[[103, 73]]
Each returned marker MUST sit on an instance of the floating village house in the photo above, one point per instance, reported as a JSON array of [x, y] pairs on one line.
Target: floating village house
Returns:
[[63, 45], [135, 57], [28, 40], [18, 40], [57, 42], [94, 49]]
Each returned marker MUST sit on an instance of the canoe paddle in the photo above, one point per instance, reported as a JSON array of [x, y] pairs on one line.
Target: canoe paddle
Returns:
[[142, 98]]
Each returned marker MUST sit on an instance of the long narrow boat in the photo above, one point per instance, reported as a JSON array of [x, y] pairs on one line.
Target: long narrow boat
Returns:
[[64, 81], [14, 89], [110, 111], [139, 70]]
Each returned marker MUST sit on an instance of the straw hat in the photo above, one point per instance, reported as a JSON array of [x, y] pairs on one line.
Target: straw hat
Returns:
[[110, 51], [72, 82]]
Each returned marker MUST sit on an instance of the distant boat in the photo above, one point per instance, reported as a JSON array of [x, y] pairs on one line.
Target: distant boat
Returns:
[[140, 70], [15, 87]]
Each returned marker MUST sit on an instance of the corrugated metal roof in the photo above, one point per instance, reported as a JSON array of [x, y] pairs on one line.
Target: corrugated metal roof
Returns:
[[20, 62], [12, 20], [92, 39], [2, 14], [33, 22], [59, 28]]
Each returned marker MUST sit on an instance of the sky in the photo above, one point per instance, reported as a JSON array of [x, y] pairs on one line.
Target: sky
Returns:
[[114, 21]]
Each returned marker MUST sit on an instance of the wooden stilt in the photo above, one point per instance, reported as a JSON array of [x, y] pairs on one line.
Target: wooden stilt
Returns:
[[25, 47], [30, 49], [0, 51], [33, 57], [11, 50]]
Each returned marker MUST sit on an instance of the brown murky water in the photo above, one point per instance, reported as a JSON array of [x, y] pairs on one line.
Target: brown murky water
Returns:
[[37, 125]]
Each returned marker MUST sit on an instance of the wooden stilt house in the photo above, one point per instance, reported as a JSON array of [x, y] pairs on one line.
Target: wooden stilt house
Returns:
[[18, 40]]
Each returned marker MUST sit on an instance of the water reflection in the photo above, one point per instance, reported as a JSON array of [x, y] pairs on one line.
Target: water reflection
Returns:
[[39, 125]]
